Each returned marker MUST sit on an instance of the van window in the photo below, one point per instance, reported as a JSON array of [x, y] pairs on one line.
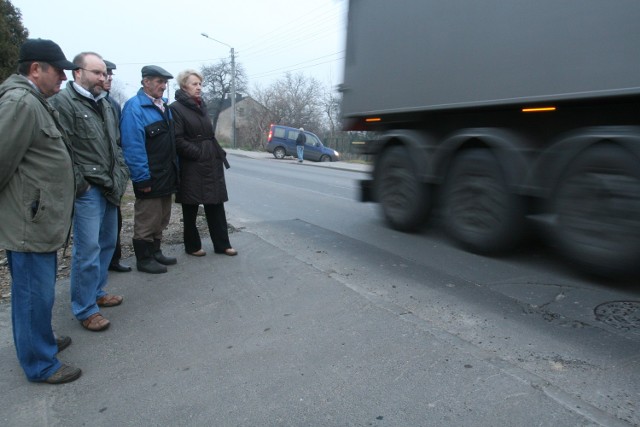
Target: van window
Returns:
[[312, 140], [279, 132], [293, 134]]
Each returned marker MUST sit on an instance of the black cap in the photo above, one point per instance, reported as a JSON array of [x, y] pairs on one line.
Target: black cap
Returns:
[[110, 65], [155, 71], [45, 51]]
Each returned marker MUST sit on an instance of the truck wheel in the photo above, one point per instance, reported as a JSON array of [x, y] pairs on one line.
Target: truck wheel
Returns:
[[597, 206], [279, 153], [479, 210], [404, 199]]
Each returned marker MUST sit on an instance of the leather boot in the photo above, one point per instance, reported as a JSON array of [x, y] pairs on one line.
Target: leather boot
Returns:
[[146, 263], [159, 256]]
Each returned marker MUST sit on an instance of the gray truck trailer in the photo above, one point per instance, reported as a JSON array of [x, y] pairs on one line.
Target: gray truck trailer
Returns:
[[503, 116]]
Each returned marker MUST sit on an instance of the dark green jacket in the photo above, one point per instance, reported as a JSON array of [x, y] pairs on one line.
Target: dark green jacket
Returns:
[[95, 139], [36, 171]]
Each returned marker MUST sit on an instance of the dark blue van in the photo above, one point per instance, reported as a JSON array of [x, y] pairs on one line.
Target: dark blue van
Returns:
[[282, 143]]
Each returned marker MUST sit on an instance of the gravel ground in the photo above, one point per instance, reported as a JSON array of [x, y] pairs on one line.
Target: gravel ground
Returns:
[[172, 235]]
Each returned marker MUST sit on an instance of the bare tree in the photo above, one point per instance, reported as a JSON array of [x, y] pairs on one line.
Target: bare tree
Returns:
[[117, 92], [295, 100], [331, 105], [217, 85]]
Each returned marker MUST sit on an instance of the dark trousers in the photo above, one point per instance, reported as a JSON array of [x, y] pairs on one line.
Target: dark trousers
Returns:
[[117, 254], [216, 221]]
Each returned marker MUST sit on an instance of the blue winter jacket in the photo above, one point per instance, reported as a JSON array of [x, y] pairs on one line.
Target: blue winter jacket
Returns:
[[149, 146]]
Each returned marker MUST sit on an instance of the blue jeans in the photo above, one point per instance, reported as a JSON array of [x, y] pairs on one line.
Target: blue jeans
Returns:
[[300, 149], [95, 231], [33, 280]]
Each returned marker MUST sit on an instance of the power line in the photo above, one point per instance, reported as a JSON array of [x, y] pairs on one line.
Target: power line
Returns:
[[292, 67], [279, 40], [291, 29], [178, 61]]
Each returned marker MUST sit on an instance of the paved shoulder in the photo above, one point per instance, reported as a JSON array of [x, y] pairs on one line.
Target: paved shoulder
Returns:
[[263, 338]]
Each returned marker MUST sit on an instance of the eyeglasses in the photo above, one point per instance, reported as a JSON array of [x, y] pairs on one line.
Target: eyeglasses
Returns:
[[96, 72]]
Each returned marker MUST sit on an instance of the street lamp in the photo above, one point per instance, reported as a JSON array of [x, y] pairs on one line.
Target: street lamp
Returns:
[[233, 84]]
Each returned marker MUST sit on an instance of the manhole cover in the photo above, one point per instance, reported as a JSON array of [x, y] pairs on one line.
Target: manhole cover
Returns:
[[619, 314]]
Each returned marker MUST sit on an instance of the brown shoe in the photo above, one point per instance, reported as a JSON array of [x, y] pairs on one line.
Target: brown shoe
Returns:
[[230, 252], [96, 323], [63, 342], [199, 252], [109, 300], [65, 374]]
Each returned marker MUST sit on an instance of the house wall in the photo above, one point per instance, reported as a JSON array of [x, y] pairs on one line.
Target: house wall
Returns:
[[249, 113]]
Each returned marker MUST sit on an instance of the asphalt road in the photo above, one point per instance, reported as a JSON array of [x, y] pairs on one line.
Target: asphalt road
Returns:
[[327, 318]]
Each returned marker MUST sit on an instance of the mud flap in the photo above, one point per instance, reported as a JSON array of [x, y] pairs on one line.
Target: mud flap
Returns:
[[366, 191]]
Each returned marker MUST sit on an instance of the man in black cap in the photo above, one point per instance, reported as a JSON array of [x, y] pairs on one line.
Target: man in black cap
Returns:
[[149, 147], [115, 264], [36, 173]]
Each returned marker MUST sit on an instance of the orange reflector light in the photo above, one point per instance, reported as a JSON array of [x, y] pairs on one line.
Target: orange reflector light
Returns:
[[538, 109], [372, 119]]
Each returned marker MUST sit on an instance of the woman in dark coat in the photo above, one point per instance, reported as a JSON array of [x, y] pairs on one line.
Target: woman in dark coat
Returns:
[[202, 163]]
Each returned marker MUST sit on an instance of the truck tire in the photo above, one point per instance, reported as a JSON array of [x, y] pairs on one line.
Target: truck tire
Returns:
[[597, 206], [480, 212], [404, 199]]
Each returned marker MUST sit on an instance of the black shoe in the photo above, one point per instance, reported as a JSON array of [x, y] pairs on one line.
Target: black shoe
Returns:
[[63, 375], [122, 268], [145, 262], [159, 256], [63, 342], [150, 265], [165, 260]]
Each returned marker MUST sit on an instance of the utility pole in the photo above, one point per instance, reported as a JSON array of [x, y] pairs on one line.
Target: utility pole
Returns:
[[233, 94], [233, 85]]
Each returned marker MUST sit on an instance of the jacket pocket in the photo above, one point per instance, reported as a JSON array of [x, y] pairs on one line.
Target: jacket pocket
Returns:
[[156, 129], [85, 126], [52, 132], [35, 204], [96, 174]]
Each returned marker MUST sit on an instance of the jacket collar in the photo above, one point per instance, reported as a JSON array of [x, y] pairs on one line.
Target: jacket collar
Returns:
[[85, 93], [19, 81], [183, 98], [146, 99]]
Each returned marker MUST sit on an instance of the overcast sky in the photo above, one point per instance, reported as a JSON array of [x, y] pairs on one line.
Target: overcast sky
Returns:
[[269, 37]]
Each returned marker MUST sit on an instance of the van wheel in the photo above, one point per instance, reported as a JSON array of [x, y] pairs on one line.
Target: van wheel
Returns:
[[325, 158], [404, 199], [279, 153], [479, 210], [596, 203]]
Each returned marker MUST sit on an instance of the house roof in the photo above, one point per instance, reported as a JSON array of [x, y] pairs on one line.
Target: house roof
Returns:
[[239, 98]]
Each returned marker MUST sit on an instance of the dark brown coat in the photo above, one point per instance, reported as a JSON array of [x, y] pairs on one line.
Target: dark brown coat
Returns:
[[202, 160]]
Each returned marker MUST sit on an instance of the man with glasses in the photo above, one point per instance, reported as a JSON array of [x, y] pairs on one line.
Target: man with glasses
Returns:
[[36, 204], [90, 122]]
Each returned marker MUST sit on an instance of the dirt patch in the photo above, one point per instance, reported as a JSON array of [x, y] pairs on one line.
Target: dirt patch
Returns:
[[172, 235]]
